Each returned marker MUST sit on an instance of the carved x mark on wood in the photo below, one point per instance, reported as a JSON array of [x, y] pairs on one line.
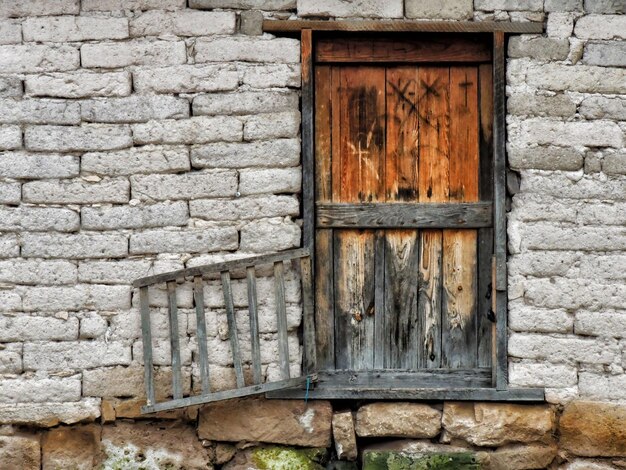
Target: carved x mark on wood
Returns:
[[402, 94]]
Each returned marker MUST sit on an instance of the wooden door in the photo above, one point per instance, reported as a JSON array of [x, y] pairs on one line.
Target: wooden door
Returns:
[[401, 126]]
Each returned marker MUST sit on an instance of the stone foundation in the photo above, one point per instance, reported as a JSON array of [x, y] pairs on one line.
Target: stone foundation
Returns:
[[254, 433]]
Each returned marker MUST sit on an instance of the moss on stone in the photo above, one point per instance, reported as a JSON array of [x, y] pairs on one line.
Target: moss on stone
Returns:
[[288, 458], [389, 460]]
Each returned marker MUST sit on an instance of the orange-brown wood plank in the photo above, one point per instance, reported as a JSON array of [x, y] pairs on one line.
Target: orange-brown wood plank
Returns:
[[401, 247], [324, 302], [459, 320], [415, 49], [434, 153]]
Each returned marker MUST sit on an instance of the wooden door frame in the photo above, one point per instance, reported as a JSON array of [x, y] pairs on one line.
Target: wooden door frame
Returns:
[[500, 389]]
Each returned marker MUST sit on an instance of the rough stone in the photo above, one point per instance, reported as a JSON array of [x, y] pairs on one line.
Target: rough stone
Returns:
[[10, 193], [148, 216], [182, 23], [20, 451], [10, 32], [274, 180], [123, 54], [538, 47], [190, 241], [38, 58], [269, 5], [9, 247], [602, 387], [76, 191], [170, 445], [344, 436], [121, 271], [290, 422], [270, 153], [248, 49], [398, 420], [546, 158], [605, 6], [269, 76], [196, 130], [251, 22], [269, 235], [74, 28], [216, 183], [359, 8], [136, 108], [509, 5], [31, 328], [22, 271], [522, 374], [24, 8], [560, 25], [601, 27], [614, 164], [38, 218], [521, 457], [129, 382], [606, 54], [113, 5], [187, 79], [593, 429], [496, 424], [272, 126], [79, 84], [563, 5], [10, 87], [10, 137], [39, 112], [258, 458], [84, 245], [22, 165], [244, 103], [11, 358], [601, 107], [75, 355], [147, 159], [243, 208], [51, 413], [78, 297], [561, 349], [75, 139], [42, 390], [538, 105], [71, 447], [550, 132], [445, 10]]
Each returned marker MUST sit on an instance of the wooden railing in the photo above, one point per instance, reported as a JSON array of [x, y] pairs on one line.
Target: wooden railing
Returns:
[[224, 270]]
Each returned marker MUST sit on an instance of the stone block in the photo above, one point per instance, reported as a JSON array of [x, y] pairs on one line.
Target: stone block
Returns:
[[84, 245], [244, 208], [122, 271], [129, 382], [50, 414], [601, 27], [10, 137], [344, 436], [603, 387], [216, 183], [74, 28], [137, 108], [497, 424], [563, 5], [23, 165], [509, 5], [187, 79], [145, 216], [593, 429], [268, 5], [269, 153], [521, 457], [11, 301], [122, 54], [545, 236], [606, 54], [79, 84], [80, 138], [290, 422], [568, 349], [605, 7], [196, 241], [523, 374], [574, 293], [10, 87], [358, 8], [39, 112], [614, 164], [606, 323], [272, 126], [40, 390], [169, 445], [10, 193], [78, 297], [25, 8], [540, 131], [196, 130], [269, 235], [271, 76], [389, 459], [249, 102], [10, 32], [92, 326], [560, 184], [444, 10], [20, 451], [182, 23], [560, 25], [601, 107], [147, 159], [76, 192], [9, 246], [11, 358], [275, 180], [71, 447], [38, 58], [32, 272], [251, 22], [141, 5], [38, 218], [75, 355], [247, 49], [546, 158], [398, 420], [525, 104]]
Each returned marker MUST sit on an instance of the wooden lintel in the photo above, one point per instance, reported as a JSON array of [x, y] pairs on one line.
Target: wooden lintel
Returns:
[[295, 26]]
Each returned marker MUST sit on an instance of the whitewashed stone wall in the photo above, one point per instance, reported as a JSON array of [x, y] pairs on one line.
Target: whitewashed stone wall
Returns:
[[143, 136]]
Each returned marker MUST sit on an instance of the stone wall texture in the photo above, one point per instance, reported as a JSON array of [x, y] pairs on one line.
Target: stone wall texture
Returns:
[[144, 136]]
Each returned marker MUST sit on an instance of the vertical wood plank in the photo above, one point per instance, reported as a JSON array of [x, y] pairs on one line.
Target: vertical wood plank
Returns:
[[459, 246], [308, 317], [281, 316], [308, 204], [146, 336], [232, 327], [499, 137], [485, 235], [254, 324], [380, 345], [203, 359], [177, 389], [324, 293], [433, 176]]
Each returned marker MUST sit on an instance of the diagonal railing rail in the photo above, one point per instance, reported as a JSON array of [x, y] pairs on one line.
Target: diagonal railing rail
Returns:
[[224, 270]]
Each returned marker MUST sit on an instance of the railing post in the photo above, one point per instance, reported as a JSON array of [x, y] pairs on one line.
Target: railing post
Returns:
[[146, 336]]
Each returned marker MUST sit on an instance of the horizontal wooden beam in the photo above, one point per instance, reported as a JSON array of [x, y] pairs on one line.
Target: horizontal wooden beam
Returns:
[[294, 26], [404, 215], [224, 266]]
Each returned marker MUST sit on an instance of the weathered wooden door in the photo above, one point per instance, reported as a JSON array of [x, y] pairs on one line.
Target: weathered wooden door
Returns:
[[403, 190]]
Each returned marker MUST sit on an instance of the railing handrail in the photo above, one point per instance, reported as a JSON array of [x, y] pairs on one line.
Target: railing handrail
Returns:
[[216, 268]]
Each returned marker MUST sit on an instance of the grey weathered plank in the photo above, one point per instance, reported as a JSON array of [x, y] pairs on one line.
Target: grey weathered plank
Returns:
[[203, 359], [308, 317], [223, 266], [146, 336], [232, 327], [281, 315], [401, 267], [379, 300], [177, 389], [404, 215], [499, 130], [254, 324], [284, 26], [308, 146], [429, 299]]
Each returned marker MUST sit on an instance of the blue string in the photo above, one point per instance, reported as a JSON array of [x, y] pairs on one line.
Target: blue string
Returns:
[[308, 386]]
